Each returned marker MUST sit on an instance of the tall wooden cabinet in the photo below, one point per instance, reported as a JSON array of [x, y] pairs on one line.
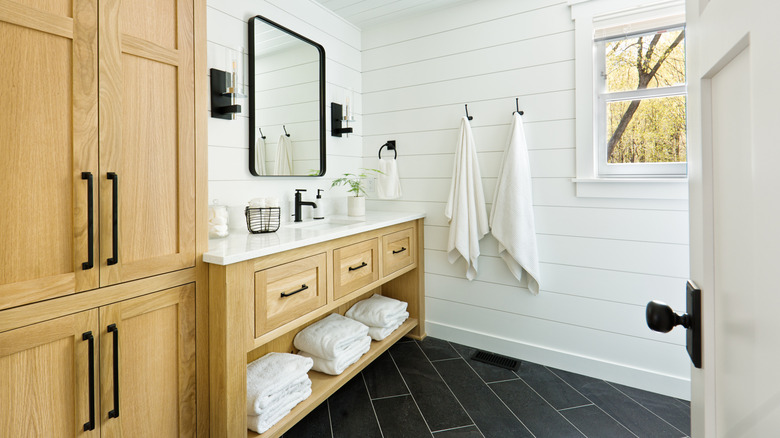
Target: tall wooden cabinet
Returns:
[[103, 217], [148, 381]]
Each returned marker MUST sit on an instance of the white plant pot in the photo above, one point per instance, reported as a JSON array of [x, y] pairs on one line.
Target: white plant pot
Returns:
[[356, 205]]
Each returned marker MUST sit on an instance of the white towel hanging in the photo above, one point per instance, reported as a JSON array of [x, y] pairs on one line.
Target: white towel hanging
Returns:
[[466, 204], [512, 215], [388, 182], [284, 156], [260, 156]]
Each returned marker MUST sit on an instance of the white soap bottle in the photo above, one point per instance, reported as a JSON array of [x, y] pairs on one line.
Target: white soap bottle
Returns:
[[319, 210]]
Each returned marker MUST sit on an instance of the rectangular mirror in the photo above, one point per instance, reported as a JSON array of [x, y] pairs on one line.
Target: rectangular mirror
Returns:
[[286, 102]]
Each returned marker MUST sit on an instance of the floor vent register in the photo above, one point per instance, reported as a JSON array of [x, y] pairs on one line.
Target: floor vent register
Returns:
[[496, 360]]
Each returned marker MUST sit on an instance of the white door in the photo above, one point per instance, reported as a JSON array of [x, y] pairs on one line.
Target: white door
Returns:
[[734, 170]]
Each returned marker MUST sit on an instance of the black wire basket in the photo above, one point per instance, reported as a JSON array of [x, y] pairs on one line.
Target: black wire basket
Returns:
[[262, 220]]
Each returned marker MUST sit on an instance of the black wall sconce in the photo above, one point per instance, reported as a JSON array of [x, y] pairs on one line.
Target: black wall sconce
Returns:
[[223, 94], [337, 121]]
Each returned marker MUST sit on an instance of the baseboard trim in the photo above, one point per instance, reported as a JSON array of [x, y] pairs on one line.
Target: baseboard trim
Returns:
[[648, 380]]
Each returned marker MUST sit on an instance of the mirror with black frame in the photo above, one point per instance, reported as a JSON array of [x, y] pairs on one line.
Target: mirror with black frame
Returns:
[[286, 102]]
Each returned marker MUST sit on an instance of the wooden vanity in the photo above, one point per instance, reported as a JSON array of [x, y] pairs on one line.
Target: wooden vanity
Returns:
[[265, 288]]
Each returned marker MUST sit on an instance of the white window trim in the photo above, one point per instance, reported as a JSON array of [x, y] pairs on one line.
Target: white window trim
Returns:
[[587, 16]]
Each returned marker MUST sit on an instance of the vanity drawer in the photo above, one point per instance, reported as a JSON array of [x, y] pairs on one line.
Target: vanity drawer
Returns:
[[288, 291], [397, 250], [355, 266]]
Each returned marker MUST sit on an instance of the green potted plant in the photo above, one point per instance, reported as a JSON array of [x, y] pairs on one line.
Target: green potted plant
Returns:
[[356, 205]]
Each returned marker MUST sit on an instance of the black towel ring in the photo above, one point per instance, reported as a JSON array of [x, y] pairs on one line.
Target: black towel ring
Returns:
[[390, 147], [261, 133], [467, 113], [517, 106], [285, 130]]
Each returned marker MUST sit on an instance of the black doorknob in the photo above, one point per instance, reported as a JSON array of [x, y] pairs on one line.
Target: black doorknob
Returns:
[[661, 317]]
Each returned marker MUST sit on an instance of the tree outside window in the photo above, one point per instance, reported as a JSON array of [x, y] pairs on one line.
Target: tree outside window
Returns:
[[642, 98]]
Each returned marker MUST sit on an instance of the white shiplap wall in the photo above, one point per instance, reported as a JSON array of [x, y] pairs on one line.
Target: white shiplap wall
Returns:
[[229, 177], [601, 259]]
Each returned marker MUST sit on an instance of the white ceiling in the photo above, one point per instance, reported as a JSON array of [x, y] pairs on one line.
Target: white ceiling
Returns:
[[366, 13]]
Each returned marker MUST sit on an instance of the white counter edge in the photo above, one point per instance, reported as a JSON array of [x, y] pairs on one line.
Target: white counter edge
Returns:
[[241, 245]]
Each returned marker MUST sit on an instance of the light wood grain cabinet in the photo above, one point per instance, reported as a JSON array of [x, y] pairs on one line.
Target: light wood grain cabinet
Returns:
[[286, 292], [97, 183], [398, 250], [248, 317], [355, 266], [45, 378], [45, 371]]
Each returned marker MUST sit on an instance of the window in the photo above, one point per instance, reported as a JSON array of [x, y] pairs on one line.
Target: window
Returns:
[[648, 157], [640, 103]]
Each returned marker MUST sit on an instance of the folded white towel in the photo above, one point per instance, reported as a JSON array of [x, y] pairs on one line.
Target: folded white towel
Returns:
[[512, 216], [377, 311], [263, 404], [261, 423], [270, 374], [284, 156], [329, 337], [273, 201], [388, 182], [260, 156], [379, 333], [258, 203], [466, 209], [337, 366]]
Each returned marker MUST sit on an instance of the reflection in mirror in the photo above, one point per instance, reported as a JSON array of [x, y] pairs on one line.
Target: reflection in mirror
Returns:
[[286, 102]]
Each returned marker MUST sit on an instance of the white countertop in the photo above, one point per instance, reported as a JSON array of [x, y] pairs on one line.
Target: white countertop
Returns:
[[241, 245]]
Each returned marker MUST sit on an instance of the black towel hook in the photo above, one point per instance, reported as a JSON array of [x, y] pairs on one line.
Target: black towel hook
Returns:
[[517, 106], [467, 113], [285, 130], [261, 133], [390, 147]]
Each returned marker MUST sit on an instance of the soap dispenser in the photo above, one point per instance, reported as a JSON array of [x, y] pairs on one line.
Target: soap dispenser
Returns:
[[319, 210]]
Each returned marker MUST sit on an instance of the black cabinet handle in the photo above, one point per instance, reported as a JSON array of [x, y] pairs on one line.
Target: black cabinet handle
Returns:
[[90, 221], [303, 288], [403, 248], [115, 219], [114, 413], [362, 265], [87, 336]]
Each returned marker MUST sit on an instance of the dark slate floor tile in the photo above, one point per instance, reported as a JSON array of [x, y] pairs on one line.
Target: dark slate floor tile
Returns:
[[351, 412], [593, 422], [533, 411], [404, 339], [382, 378], [400, 418], [489, 373], [665, 407], [437, 349], [629, 413], [439, 407], [314, 425], [490, 415], [462, 432], [550, 387]]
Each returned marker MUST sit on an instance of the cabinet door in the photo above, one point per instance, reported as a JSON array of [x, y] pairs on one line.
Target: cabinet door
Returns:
[[154, 351], [48, 137], [146, 138], [44, 378]]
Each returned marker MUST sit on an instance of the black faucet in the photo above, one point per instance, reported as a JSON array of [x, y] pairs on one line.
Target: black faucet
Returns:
[[299, 202]]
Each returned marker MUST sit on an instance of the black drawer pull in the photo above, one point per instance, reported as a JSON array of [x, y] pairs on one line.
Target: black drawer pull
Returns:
[[362, 265], [303, 288], [90, 221], [114, 219], [403, 248], [114, 413], [87, 336]]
